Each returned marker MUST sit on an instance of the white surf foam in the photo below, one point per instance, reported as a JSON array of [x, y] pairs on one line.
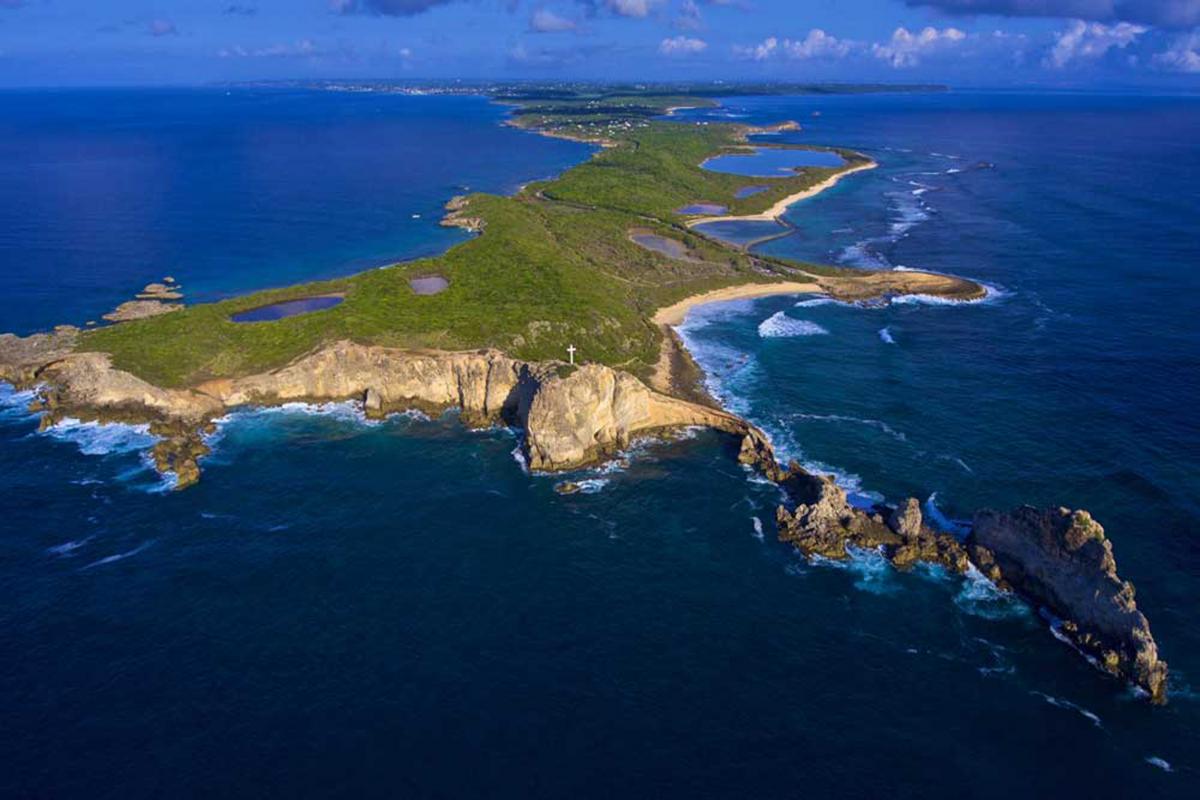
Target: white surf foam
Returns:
[[518, 454], [13, 402], [1161, 763], [1059, 702], [873, 573], [758, 528], [991, 294], [861, 254], [958, 527], [103, 438], [118, 556], [780, 325], [885, 335], [813, 302], [67, 549], [979, 597]]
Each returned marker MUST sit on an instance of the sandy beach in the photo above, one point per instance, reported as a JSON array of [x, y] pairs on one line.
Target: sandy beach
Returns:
[[776, 211], [674, 314]]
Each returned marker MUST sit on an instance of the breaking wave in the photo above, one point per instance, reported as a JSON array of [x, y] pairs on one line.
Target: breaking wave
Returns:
[[991, 294], [979, 597], [780, 325], [958, 527], [872, 571], [885, 335], [103, 438]]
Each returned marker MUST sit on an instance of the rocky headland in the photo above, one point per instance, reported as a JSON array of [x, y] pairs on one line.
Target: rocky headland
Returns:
[[1056, 559], [572, 417]]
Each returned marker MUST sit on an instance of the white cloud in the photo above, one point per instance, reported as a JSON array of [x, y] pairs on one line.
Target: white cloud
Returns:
[[1088, 41], [630, 8], [1182, 56], [682, 46], [546, 21], [905, 49], [817, 44]]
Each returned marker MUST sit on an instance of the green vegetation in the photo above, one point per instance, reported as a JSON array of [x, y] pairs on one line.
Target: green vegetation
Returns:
[[554, 265]]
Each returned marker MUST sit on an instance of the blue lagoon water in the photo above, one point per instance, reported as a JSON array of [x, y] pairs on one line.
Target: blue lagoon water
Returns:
[[397, 609], [766, 162], [288, 308]]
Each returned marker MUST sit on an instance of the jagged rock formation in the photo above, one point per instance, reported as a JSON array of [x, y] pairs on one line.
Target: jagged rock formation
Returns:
[[824, 523], [1060, 559], [1056, 559]]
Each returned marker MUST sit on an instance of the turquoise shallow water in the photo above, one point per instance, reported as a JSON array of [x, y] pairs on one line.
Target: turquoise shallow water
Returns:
[[343, 608]]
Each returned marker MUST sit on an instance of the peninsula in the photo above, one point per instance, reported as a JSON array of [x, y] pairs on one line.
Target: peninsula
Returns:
[[604, 260]]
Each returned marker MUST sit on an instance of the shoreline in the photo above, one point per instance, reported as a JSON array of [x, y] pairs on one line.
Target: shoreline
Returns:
[[675, 313], [676, 372], [775, 212]]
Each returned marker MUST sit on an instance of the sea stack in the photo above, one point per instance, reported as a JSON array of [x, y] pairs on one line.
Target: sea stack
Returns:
[[1060, 560]]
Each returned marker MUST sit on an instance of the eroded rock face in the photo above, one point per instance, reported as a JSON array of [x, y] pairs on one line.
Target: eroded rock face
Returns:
[[1061, 560], [22, 356], [824, 523], [88, 382], [596, 410], [569, 421]]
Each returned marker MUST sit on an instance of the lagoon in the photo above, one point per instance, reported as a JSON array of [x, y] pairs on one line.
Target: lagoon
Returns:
[[773, 162]]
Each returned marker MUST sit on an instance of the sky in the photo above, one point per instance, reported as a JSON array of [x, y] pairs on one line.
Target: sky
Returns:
[[1054, 43]]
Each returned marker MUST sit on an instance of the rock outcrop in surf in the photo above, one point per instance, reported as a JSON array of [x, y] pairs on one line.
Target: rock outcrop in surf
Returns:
[[1060, 560], [824, 523], [1056, 559]]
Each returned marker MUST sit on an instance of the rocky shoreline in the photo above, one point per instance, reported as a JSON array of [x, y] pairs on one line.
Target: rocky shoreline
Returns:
[[1056, 559], [572, 417]]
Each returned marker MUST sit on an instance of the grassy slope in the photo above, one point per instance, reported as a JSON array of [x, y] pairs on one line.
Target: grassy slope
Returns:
[[554, 267]]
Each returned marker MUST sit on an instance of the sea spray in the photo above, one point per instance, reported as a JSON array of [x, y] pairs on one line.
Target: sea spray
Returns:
[[941, 522], [979, 597], [780, 325], [103, 438]]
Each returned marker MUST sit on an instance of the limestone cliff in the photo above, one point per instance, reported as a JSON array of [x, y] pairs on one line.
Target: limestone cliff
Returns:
[[1056, 558], [1060, 559], [569, 421]]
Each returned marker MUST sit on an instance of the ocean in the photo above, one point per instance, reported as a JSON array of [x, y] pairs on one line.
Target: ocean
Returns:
[[350, 608]]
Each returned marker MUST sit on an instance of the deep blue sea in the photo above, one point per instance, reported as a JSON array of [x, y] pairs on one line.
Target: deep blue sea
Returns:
[[398, 610]]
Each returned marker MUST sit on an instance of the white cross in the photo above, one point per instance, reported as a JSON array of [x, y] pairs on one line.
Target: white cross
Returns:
[[571, 353]]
